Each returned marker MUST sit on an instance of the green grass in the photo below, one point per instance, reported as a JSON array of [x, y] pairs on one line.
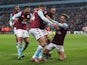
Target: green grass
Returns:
[[75, 48]]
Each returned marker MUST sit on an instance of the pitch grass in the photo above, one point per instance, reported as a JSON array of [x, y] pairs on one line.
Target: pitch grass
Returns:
[[75, 48]]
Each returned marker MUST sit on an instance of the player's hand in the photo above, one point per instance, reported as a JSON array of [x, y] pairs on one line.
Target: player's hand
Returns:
[[48, 17], [55, 26]]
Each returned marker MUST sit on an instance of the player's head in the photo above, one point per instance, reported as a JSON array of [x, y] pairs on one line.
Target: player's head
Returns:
[[64, 18], [26, 9], [36, 9], [53, 10], [16, 8], [42, 7]]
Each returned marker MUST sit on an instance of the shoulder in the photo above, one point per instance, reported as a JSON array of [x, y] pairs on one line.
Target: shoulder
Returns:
[[20, 13], [12, 13], [40, 12]]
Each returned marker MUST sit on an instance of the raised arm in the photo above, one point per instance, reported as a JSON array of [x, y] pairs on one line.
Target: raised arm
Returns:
[[10, 21], [16, 16], [62, 25], [41, 15]]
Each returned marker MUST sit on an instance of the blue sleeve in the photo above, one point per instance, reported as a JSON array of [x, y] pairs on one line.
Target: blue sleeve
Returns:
[[62, 25], [41, 15], [16, 15], [10, 21]]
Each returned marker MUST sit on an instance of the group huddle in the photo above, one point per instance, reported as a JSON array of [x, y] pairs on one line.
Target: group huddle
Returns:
[[36, 23]]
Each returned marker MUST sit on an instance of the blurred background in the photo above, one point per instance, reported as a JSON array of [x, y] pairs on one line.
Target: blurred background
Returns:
[[76, 9]]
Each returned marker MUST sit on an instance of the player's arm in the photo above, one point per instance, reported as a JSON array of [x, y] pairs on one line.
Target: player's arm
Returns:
[[55, 26], [31, 16], [60, 25], [16, 15], [10, 21], [64, 25], [48, 17], [41, 15]]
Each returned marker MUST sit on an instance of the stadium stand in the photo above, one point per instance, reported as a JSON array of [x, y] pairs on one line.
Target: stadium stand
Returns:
[[23, 1], [77, 10]]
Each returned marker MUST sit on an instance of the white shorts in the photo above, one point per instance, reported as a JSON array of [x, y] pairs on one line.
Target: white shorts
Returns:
[[22, 33], [15, 30], [45, 32], [36, 32], [58, 47]]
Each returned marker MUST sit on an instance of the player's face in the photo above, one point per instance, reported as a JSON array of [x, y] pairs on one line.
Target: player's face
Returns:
[[43, 8], [35, 9], [17, 8], [62, 19], [53, 10], [27, 10]]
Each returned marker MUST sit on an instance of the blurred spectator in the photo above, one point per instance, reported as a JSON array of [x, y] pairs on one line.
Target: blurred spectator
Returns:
[[6, 29], [78, 17]]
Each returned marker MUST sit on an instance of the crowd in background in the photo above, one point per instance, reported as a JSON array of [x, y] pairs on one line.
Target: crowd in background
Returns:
[[22, 1], [78, 18]]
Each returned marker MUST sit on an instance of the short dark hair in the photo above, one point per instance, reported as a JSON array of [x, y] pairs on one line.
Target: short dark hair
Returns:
[[42, 5], [16, 5], [52, 7], [26, 7]]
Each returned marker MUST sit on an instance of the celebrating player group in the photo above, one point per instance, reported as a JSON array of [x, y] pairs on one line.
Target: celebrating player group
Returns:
[[35, 23]]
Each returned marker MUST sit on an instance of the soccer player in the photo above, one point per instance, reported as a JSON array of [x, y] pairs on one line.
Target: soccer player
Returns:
[[36, 26], [50, 14], [22, 33], [58, 40], [14, 23], [35, 9]]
